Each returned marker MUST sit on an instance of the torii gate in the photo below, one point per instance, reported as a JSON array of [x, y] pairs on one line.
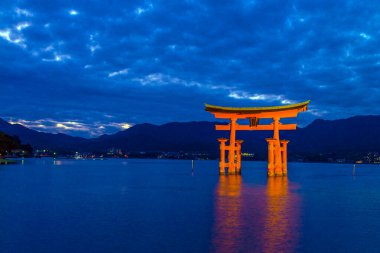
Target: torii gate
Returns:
[[277, 149]]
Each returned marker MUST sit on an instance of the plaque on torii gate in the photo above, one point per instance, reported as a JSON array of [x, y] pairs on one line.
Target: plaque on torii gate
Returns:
[[277, 149]]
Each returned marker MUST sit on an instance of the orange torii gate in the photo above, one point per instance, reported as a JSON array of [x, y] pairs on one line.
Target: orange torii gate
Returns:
[[277, 149]]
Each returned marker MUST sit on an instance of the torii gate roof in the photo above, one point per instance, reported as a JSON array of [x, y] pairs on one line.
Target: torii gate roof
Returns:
[[299, 107]]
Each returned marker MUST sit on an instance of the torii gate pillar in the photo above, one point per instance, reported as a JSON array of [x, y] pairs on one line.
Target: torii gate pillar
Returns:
[[222, 161], [232, 148], [238, 156]]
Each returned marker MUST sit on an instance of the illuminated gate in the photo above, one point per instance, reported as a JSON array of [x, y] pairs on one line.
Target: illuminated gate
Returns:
[[277, 149]]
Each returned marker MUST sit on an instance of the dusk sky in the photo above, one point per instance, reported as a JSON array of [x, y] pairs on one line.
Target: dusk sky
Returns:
[[91, 67]]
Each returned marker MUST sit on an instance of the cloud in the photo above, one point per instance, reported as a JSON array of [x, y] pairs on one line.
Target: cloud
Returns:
[[162, 79], [156, 62], [76, 128], [122, 125], [13, 37], [73, 12], [22, 26], [117, 73], [262, 97], [141, 10], [57, 58], [365, 36], [23, 12]]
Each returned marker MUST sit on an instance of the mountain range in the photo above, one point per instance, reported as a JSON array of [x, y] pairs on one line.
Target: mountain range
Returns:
[[359, 134]]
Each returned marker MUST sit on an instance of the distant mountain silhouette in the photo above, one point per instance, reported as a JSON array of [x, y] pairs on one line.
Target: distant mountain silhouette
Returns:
[[41, 140], [356, 134]]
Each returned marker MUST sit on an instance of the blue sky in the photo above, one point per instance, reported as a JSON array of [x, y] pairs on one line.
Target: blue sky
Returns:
[[93, 67]]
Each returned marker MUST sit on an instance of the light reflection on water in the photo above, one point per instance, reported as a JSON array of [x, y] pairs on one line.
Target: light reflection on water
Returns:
[[281, 224], [227, 213], [248, 218]]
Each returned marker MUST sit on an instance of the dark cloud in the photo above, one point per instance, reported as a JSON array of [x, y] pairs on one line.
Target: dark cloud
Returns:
[[87, 67]]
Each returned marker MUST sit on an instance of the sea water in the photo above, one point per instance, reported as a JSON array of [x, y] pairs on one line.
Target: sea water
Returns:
[[128, 205]]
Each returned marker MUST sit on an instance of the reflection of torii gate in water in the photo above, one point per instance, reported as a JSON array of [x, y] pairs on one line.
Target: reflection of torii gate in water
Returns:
[[277, 152]]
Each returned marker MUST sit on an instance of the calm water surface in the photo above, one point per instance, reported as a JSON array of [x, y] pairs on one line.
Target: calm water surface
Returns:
[[131, 205]]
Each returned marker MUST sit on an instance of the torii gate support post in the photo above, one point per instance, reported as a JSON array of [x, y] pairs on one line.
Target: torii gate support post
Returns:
[[270, 156], [277, 147], [232, 148], [272, 169], [222, 161], [238, 156], [284, 151]]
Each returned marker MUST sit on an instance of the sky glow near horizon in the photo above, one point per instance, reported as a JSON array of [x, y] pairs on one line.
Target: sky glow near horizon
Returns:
[[93, 67]]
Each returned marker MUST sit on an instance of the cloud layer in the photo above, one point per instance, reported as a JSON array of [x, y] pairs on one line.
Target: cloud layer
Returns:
[[102, 64]]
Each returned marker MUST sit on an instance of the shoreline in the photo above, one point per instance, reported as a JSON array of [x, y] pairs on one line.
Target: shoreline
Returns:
[[184, 159], [6, 161]]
